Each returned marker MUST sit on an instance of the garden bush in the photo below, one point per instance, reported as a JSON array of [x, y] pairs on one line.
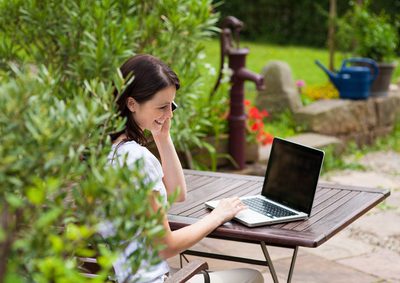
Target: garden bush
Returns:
[[57, 186], [83, 40], [58, 60], [367, 34]]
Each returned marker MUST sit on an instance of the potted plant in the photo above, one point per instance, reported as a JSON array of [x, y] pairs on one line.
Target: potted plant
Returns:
[[366, 34]]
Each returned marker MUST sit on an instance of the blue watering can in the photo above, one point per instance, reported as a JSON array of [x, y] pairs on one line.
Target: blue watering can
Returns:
[[353, 82]]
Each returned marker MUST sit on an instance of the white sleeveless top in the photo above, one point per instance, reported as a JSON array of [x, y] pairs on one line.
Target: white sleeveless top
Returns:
[[153, 170]]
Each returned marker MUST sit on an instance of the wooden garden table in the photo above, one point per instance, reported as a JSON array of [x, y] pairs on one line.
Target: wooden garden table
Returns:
[[335, 207]]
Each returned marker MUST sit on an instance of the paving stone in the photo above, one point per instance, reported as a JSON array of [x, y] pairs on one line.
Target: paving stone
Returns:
[[341, 246], [393, 201], [358, 178], [382, 263], [308, 139], [315, 269], [316, 140], [382, 162], [373, 223]]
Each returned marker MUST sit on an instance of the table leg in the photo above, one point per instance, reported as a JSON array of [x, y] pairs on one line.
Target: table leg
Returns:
[[271, 265], [292, 264], [267, 262], [182, 255]]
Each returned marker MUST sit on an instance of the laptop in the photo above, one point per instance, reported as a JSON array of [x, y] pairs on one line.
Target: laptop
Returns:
[[289, 186]]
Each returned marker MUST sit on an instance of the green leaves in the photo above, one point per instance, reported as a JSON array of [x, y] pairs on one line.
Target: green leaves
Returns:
[[367, 34], [57, 183], [56, 111]]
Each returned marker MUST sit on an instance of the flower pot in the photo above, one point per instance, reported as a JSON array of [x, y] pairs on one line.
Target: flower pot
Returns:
[[380, 86]]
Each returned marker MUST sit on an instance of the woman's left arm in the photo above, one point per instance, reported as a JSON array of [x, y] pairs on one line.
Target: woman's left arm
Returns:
[[172, 168]]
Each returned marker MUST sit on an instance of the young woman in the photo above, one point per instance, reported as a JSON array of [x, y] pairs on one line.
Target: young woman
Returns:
[[147, 104]]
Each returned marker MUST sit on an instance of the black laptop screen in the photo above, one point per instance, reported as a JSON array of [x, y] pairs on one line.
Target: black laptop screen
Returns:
[[292, 174]]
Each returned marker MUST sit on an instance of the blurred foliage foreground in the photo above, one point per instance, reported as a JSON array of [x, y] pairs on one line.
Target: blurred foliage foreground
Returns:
[[57, 186], [58, 60]]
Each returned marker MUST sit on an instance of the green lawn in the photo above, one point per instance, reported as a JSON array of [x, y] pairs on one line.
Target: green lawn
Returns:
[[300, 59]]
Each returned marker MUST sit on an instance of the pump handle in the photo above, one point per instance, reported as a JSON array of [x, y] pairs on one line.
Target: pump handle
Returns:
[[228, 25]]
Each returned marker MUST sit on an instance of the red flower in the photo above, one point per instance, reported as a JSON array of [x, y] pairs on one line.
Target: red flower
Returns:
[[257, 126], [255, 123], [268, 138], [264, 113], [254, 113]]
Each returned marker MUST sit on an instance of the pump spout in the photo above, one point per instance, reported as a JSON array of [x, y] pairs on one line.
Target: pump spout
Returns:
[[244, 74], [332, 76]]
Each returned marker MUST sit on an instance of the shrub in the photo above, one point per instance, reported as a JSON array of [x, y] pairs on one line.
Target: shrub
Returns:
[[57, 186], [367, 34], [83, 40]]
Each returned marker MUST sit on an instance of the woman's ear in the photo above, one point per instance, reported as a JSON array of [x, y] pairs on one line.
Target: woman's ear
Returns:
[[131, 104]]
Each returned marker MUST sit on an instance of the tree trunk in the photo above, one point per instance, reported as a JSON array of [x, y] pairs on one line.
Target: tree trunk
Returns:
[[5, 246], [331, 33]]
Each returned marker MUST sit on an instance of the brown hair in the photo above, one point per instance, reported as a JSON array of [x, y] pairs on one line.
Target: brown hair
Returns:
[[150, 76]]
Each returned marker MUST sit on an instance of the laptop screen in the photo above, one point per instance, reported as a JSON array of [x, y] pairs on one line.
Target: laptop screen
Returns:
[[292, 174]]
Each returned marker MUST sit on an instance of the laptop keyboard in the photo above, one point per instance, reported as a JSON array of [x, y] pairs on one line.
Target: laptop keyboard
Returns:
[[267, 208]]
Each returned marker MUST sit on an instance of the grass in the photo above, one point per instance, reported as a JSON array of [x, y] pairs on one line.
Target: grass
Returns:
[[300, 59]]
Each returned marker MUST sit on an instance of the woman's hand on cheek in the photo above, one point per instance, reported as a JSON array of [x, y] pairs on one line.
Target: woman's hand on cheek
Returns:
[[164, 131]]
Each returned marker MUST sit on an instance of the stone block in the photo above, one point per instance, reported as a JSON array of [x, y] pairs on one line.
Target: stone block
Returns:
[[383, 131], [387, 109], [339, 117], [280, 92], [363, 111], [329, 117], [318, 141]]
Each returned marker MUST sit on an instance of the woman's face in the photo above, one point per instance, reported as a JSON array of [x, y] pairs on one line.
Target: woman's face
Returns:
[[152, 114]]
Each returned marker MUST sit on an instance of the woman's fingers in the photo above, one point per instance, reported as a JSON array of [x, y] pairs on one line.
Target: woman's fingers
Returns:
[[228, 208]]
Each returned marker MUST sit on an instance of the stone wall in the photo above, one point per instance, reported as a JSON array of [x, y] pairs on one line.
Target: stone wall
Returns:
[[359, 120]]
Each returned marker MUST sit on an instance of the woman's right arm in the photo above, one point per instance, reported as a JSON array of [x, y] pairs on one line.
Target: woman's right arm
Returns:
[[182, 239]]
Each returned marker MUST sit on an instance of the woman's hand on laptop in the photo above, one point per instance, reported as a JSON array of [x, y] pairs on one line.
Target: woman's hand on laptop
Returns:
[[227, 208]]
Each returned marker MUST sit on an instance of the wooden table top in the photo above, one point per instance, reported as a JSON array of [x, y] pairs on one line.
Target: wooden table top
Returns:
[[334, 208]]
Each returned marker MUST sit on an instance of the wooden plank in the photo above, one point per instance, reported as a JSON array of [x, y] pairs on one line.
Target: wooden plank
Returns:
[[348, 213], [200, 182], [195, 195], [355, 188], [329, 193], [321, 193], [228, 191], [200, 211], [224, 175], [208, 193], [330, 208]]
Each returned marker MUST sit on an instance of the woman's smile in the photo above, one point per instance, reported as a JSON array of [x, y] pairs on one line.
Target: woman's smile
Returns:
[[159, 123]]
